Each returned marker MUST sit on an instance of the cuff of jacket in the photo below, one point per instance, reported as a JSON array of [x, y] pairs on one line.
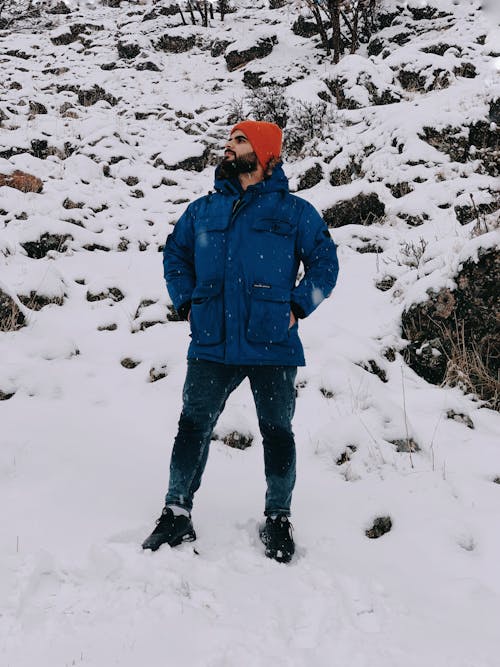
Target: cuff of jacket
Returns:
[[297, 310], [183, 310]]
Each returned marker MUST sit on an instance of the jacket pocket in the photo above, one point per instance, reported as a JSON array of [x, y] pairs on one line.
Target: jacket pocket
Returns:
[[207, 314], [269, 314]]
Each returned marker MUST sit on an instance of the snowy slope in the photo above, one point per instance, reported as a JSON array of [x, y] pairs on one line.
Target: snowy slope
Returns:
[[85, 440]]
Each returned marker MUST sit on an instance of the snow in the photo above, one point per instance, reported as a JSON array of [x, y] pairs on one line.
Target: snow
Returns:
[[85, 441]]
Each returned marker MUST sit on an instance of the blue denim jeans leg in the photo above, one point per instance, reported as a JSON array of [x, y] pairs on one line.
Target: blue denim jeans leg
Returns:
[[206, 390]]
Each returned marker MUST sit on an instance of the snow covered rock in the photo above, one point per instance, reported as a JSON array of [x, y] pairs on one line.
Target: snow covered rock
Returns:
[[239, 55], [364, 209], [176, 43], [454, 334]]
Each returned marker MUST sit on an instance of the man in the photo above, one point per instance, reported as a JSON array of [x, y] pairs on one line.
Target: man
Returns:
[[231, 266]]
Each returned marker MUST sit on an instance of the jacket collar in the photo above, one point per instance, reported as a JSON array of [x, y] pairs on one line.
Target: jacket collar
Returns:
[[277, 182]]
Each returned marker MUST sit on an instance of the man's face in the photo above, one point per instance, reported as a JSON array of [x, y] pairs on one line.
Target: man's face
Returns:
[[239, 157]]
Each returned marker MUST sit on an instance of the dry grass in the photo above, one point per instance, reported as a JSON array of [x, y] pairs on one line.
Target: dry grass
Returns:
[[473, 369]]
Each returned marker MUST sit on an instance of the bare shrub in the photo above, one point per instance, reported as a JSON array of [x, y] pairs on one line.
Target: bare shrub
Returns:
[[308, 121], [270, 104], [411, 253]]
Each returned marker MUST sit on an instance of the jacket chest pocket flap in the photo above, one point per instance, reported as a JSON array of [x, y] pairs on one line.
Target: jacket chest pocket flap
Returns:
[[218, 223], [269, 314], [274, 226], [207, 314]]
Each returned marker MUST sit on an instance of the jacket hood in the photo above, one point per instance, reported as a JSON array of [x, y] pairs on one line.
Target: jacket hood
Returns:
[[277, 182]]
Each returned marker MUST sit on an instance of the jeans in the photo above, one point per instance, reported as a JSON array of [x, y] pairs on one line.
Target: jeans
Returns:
[[206, 390]]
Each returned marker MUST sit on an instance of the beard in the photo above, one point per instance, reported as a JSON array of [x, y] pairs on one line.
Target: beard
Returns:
[[245, 164]]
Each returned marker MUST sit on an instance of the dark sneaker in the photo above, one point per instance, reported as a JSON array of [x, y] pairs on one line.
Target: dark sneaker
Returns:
[[276, 535], [171, 529]]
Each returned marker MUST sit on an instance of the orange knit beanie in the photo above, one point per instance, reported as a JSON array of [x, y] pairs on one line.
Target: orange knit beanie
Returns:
[[265, 139]]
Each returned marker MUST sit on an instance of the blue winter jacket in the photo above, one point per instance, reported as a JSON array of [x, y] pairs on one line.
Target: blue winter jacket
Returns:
[[233, 259]]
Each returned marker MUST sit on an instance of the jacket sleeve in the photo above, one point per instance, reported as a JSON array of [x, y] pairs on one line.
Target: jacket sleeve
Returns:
[[178, 263], [318, 253]]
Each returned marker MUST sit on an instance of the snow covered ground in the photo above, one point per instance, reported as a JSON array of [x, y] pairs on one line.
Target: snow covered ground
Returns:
[[85, 440]]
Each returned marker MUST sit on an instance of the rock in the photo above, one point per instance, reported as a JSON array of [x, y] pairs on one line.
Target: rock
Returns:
[[338, 87], [253, 79], [157, 373], [218, 47], [385, 19], [59, 8], [425, 12], [92, 95], [494, 115], [481, 143], [108, 327], [4, 396], [406, 445], [364, 209], [439, 49], [40, 149], [92, 247], [400, 189], [381, 526], [69, 35], [453, 336], [175, 43], [46, 243], [375, 46], [466, 213], [326, 392], [11, 317], [127, 362], [36, 301], [194, 163], [346, 455], [389, 354], [460, 418], [262, 48], [304, 28], [385, 283], [37, 107], [21, 181], [412, 81], [372, 367], [401, 38], [128, 51], [147, 65], [449, 140], [69, 204], [173, 315], [112, 293], [311, 177], [414, 220], [467, 70], [237, 440], [345, 175]]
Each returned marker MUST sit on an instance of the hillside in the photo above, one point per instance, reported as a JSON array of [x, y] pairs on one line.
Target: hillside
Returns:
[[119, 114]]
